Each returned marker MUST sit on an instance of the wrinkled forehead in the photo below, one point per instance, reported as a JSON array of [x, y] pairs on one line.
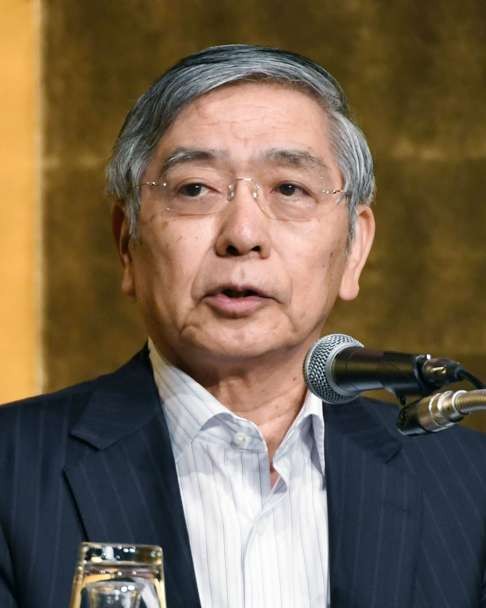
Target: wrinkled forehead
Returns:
[[291, 95], [254, 122]]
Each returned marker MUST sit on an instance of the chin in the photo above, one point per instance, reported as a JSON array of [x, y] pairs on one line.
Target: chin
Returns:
[[240, 346], [239, 340], [237, 350]]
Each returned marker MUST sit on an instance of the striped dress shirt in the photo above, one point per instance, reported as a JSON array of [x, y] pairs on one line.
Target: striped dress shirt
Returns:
[[253, 545]]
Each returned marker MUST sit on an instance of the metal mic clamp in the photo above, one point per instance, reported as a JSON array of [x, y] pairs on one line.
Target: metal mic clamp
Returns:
[[439, 411]]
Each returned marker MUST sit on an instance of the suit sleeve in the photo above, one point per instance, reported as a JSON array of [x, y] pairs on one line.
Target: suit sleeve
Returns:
[[7, 597], [483, 591]]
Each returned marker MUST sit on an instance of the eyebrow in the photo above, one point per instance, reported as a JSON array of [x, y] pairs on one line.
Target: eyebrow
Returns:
[[295, 158], [187, 155], [291, 157]]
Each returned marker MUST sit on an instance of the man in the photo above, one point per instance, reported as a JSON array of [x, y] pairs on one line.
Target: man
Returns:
[[242, 213]]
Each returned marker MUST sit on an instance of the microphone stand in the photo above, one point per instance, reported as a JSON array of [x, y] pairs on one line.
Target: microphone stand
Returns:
[[439, 411]]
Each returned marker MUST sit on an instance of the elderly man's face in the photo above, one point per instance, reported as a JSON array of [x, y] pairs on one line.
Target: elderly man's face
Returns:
[[237, 285]]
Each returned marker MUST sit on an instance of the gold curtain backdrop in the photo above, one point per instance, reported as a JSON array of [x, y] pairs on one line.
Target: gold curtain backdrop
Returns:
[[414, 74]]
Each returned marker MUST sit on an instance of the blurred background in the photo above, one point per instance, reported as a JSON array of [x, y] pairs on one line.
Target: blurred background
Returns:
[[415, 76]]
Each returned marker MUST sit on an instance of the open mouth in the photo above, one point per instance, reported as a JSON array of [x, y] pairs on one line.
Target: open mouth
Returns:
[[235, 302], [236, 293]]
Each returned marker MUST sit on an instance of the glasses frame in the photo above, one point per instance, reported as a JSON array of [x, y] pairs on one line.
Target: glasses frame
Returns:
[[255, 194]]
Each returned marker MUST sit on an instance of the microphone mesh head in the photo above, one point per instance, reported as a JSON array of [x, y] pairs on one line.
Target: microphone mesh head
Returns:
[[318, 364]]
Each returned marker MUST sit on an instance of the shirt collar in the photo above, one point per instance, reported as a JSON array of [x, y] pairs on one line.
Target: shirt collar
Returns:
[[189, 407], [312, 408]]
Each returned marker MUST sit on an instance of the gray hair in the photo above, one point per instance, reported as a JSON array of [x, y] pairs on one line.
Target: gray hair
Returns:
[[217, 67]]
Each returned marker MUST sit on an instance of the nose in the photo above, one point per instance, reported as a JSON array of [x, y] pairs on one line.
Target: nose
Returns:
[[244, 230]]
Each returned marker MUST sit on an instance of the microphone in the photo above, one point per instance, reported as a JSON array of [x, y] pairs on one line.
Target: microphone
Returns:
[[338, 368], [440, 411]]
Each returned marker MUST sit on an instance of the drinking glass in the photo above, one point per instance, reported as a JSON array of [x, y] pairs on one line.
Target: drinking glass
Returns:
[[118, 576], [114, 594]]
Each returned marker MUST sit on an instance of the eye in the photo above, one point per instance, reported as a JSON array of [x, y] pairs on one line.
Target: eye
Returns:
[[289, 189], [192, 190]]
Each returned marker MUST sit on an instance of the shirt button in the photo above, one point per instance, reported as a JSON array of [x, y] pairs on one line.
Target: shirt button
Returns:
[[241, 440]]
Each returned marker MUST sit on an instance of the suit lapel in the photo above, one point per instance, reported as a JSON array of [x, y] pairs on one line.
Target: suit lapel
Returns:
[[123, 478], [374, 512]]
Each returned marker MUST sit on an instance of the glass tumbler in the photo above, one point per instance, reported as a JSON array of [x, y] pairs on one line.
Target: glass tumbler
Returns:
[[114, 594], [118, 576]]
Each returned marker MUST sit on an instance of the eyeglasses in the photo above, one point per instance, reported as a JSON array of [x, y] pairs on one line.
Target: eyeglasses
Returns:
[[282, 193]]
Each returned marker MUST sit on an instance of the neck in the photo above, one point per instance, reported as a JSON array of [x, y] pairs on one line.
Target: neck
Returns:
[[271, 408], [270, 392]]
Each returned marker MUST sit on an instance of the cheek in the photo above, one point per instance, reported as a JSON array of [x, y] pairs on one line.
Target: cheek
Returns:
[[318, 257], [167, 261], [316, 277]]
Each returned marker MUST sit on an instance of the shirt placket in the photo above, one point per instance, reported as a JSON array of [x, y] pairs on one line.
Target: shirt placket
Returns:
[[256, 564]]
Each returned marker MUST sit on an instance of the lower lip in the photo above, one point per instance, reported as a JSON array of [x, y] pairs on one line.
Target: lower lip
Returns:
[[236, 307]]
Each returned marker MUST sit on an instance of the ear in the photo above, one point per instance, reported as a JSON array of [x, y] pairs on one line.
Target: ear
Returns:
[[120, 227], [359, 250]]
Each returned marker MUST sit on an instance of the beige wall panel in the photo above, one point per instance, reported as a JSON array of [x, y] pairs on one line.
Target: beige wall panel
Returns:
[[414, 73], [19, 203]]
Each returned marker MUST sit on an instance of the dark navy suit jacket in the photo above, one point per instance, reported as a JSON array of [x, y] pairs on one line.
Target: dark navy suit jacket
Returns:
[[407, 516]]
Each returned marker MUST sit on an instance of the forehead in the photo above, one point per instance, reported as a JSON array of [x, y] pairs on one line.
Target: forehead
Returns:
[[246, 118]]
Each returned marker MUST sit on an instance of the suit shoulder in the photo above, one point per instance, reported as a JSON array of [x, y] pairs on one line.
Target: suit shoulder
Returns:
[[69, 398], [24, 421], [57, 398]]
